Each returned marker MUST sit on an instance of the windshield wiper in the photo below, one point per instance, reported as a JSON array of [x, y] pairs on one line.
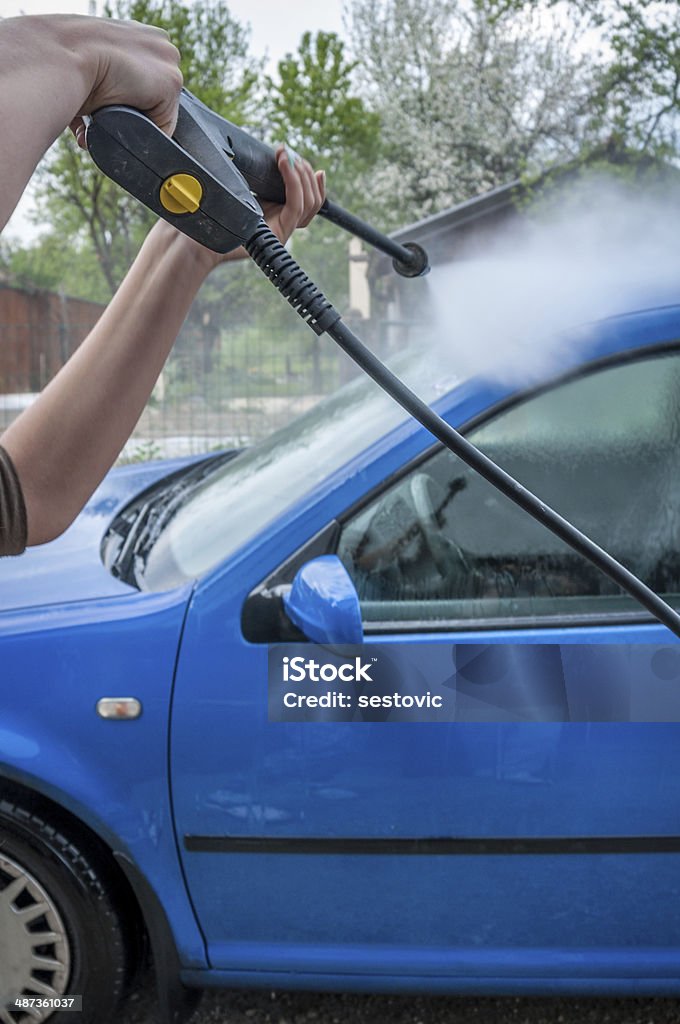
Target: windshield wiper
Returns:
[[152, 515]]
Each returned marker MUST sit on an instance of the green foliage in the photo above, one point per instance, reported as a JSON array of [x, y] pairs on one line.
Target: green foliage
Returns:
[[635, 99], [145, 451], [86, 211], [638, 92], [43, 265], [215, 56], [467, 101], [315, 109]]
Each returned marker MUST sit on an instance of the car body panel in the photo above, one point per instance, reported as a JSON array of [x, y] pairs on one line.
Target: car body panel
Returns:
[[70, 568], [548, 979], [112, 775], [380, 780]]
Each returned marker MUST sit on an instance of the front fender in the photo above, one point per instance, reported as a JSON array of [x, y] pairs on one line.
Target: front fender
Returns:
[[112, 775]]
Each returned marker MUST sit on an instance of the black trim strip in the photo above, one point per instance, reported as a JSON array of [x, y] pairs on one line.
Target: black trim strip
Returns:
[[588, 620], [434, 846]]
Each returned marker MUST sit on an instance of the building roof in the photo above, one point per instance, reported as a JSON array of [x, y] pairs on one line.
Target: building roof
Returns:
[[491, 206], [445, 235]]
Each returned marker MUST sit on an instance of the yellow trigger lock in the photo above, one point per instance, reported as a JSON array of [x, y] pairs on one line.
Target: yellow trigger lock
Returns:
[[181, 193]]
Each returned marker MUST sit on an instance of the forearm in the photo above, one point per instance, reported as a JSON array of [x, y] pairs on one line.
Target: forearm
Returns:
[[65, 442], [44, 81]]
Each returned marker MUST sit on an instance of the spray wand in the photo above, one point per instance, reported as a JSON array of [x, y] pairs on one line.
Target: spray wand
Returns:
[[202, 181]]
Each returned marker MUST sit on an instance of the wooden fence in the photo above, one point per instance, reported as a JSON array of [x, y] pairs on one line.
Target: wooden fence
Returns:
[[39, 330]]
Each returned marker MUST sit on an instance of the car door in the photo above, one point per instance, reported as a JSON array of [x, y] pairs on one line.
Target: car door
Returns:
[[532, 833]]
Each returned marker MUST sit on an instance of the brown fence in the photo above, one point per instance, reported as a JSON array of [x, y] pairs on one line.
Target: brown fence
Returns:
[[40, 330], [254, 381]]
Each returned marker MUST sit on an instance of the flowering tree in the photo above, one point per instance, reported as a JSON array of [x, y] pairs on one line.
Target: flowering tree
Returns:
[[636, 95], [470, 96]]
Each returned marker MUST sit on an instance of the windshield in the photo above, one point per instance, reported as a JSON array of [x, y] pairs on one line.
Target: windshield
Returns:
[[254, 489]]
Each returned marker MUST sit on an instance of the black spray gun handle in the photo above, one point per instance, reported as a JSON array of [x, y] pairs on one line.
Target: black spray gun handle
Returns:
[[208, 155], [204, 195]]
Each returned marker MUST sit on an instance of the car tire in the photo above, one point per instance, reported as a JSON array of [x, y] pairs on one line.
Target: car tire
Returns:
[[51, 888]]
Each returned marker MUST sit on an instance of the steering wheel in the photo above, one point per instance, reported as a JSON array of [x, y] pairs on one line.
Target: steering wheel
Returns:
[[428, 499]]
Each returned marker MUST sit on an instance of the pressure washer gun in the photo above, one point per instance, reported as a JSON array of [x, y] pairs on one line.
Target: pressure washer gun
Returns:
[[207, 181], [203, 179]]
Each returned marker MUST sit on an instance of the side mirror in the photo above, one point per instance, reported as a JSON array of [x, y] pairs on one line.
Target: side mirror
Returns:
[[324, 604]]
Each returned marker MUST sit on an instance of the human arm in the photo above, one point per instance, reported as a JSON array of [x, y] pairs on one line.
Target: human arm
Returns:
[[55, 68], [65, 442]]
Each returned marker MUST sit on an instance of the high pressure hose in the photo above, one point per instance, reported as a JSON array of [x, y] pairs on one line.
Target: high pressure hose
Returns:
[[287, 276], [202, 181]]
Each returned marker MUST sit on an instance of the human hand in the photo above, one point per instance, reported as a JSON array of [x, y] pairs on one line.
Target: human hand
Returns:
[[125, 63], [305, 194]]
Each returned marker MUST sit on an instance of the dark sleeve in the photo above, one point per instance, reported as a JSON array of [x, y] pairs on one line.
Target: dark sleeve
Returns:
[[13, 525]]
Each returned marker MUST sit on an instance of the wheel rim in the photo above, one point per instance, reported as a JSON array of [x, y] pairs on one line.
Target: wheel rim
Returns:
[[34, 946]]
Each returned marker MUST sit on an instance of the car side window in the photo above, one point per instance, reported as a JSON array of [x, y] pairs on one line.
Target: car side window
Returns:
[[441, 545]]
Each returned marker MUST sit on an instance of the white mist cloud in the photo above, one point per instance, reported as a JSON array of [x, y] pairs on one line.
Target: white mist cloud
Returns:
[[509, 310]]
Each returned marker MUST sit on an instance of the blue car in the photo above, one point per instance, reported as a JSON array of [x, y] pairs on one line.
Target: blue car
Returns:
[[333, 713]]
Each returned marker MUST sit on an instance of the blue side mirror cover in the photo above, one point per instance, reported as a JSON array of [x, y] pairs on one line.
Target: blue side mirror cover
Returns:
[[324, 604]]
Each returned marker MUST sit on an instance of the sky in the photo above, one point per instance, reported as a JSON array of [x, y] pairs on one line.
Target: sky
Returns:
[[276, 24], [276, 27]]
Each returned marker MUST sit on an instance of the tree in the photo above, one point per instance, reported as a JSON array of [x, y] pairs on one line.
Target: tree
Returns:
[[42, 265], [467, 100], [315, 108], [635, 99]]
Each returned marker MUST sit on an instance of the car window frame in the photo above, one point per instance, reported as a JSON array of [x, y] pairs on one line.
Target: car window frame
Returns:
[[599, 617]]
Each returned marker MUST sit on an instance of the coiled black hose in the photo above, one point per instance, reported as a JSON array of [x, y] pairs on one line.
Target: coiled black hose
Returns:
[[285, 273]]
